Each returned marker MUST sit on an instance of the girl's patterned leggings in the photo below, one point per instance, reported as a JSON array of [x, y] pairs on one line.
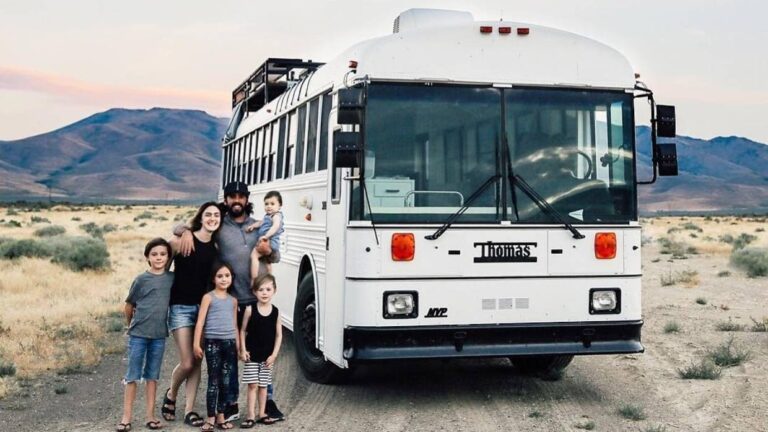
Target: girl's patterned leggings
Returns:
[[221, 357]]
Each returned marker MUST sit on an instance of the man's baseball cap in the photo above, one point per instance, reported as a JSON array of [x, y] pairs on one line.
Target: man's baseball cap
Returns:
[[236, 187]]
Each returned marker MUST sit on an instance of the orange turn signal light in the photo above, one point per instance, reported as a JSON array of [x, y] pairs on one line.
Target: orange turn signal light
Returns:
[[605, 245], [403, 247]]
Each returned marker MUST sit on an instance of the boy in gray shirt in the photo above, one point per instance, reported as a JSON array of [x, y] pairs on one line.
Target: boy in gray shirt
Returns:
[[146, 311]]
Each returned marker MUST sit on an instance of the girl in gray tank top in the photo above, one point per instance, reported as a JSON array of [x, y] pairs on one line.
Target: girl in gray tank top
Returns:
[[217, 320]]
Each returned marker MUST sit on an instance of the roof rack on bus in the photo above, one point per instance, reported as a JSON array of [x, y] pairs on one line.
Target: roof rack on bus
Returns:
[[270, 80]]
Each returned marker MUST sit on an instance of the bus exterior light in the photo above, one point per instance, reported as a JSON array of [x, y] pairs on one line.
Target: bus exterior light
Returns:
[[403, 247], [605, 245], [604, 301], [505, 30], [523, 31], [353, 64], [486, 29], [401, 304]]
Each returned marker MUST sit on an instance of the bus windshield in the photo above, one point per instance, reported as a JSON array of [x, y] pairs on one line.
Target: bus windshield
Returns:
[[429, 148]]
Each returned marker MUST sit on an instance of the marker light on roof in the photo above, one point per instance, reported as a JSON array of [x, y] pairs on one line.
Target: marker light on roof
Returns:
[[522, 31], [505, 30], [486, 29], [353, 64]]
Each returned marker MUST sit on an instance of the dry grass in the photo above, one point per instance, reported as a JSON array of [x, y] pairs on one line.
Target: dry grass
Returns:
[[57, 319]]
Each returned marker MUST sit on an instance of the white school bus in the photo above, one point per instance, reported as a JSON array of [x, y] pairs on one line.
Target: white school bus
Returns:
[[458, 188]]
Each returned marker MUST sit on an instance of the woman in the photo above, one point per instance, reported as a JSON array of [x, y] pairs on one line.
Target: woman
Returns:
[[190, 285]]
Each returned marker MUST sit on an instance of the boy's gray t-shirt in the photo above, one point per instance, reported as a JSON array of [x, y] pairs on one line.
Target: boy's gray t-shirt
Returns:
[[150, 295]]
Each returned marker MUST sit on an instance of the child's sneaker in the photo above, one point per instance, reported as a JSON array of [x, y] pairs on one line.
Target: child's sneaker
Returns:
[[273, 412], [232, 413]]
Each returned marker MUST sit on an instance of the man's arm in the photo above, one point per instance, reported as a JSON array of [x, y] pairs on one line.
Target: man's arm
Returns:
[[185, 243]]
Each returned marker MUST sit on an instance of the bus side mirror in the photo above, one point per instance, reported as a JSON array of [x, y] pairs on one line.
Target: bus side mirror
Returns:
[[666, 156], [351, 106], [346, 149], [665, 121]]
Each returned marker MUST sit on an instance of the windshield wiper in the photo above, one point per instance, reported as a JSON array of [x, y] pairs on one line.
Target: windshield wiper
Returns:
[[546, 207], [459, 212]]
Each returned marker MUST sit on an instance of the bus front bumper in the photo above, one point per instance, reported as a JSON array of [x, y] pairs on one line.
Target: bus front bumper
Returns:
[[580, 338]]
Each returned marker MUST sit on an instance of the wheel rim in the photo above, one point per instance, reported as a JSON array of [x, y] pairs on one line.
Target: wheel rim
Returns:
[[308, 317]]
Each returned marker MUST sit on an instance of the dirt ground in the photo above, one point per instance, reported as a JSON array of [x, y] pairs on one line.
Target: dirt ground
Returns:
[[490, 395]]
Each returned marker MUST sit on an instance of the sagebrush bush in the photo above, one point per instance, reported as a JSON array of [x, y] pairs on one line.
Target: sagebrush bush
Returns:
[[7, 368], [12, 212], [632, 412], [692, 226], [728, 355], [672, 327], [29, 248], [705, 369], [50, 231], [743, 240], [144, 215], [39, 219], [12, 224], [97, 231], [758, 326], [83, 253], [729, 326], [723, 273], [701, 300], [753, 260]]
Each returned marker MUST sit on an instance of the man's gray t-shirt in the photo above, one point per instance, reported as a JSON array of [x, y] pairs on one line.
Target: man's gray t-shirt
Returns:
[[235, 246], [150, 294]]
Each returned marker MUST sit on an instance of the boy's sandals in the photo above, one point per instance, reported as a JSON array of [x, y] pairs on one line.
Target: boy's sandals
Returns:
[[193, 419], [153, 425], [247, 423], [266, 420], [168, 409], [207, 427], [123, 427], [225, 425]]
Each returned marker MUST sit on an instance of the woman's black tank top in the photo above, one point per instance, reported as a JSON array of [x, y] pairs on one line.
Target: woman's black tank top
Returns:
[[193, 274]]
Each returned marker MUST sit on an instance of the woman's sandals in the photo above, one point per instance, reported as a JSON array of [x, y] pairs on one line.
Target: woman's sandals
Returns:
[[193, 419], [168, 410]]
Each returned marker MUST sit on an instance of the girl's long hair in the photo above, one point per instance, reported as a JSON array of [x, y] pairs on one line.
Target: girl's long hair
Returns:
[[218, 265], [196, 223]]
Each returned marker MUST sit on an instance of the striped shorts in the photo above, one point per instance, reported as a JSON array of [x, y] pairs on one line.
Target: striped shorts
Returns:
[[257, 373]]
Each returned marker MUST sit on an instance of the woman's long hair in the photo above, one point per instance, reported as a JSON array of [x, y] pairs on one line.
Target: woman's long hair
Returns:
[[196, 223]]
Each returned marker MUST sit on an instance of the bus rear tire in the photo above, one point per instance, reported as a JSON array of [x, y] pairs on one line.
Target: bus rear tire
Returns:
[[311, 360], [545, 366]]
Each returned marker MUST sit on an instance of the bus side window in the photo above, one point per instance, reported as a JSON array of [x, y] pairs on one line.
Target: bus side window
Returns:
[[300, 137], [312, 135], [325, 112]]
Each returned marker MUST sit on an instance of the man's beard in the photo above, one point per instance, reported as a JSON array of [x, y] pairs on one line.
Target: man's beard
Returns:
[[236, 210]]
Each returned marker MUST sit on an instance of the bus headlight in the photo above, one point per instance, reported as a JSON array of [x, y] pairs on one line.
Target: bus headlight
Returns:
[[400, 304], [604, 301]]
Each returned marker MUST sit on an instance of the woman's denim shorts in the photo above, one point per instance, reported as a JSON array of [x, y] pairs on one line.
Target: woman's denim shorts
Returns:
[[182, 316]]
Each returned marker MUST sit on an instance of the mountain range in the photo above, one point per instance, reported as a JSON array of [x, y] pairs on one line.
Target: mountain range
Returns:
[[169, 154]]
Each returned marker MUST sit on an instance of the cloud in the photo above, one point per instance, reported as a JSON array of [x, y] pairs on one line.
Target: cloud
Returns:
[[76, 91]]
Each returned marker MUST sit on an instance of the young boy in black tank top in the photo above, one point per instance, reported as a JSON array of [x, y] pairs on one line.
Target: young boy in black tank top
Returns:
[[260, 335]]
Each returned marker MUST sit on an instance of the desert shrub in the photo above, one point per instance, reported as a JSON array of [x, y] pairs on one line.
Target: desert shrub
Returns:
[[692, 227], [144, 215], [759, 326], [585, 424], [672, 327], [61, 389], [29, 248], [701, 300], [114, 326], [77, 218], [675, 248], [83, 253], [692, 235], [5, 240], [673, 230], [759, 229], [12, 224], [726, 238], [753, 260], [729, 326], [535, 414], [12, 212], [687, 276], [705, 369], [7, 368], [142, 225], [743, 240], [39, 219], [632, 412], [723, 273], [667, 279], [656, 428], [97, 231], [50, 231], [727, 355]]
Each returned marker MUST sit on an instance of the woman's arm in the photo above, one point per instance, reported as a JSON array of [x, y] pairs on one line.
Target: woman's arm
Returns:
[[244, 354], [198, 338], [278, 341]]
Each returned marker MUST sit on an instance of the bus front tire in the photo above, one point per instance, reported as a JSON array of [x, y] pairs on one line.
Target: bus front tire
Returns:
[[544, 366], [311, 360]]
